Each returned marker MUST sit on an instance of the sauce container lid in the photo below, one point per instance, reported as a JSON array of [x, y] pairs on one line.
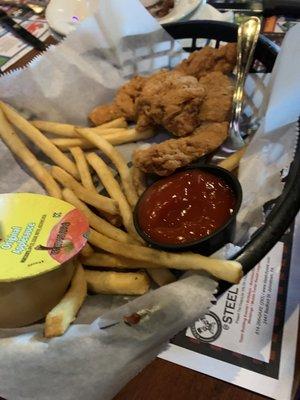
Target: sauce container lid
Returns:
[[38, 233]]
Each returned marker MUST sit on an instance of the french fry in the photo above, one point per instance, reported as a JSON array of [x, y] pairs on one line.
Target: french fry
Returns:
[[65, 144], [106, 131], [94, 199], [56, 128], [110, 282], [87, 251], [114, 190], [115, 220], [119, 136], [138, 180], [232, 162], [115, 123], [117, 159], [68, 137], [63, 314], [99, 224], [98, 259], [15, 144], [127, 136], [68, 130], [83, 168], [88, 183], [39, 140], [161, 276], [230, 271]]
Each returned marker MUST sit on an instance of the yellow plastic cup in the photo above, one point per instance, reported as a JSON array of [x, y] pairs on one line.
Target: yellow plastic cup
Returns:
[[40, 237]]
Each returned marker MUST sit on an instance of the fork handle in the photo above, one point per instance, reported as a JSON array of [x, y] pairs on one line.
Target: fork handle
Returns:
[[248, 34]]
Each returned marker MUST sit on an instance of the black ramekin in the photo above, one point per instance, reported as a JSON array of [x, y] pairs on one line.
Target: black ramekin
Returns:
[[208, 244]]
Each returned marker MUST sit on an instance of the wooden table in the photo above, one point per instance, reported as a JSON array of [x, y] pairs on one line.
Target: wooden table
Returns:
[[162, 380]]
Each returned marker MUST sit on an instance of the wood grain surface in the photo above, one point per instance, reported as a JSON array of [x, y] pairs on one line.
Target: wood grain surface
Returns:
[[162, 380]]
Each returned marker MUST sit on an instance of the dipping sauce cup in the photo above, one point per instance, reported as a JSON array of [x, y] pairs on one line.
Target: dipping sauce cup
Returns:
[[40, 238], [193, 209]]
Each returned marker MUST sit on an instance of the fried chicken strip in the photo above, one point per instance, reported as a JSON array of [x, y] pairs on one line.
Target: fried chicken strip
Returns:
[[172, 100], [124, 104], [127, 97], [217, 103], [209, 59], [164, 158], [105, 113]]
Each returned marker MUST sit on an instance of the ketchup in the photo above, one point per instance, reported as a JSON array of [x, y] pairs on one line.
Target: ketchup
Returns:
[[185, 207]]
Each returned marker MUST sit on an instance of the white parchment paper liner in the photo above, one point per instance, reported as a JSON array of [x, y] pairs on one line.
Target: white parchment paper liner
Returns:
[[272, 149], [89, 363]]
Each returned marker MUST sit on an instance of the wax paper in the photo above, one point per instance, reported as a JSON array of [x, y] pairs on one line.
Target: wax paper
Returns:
[[93, 363], [272, 149]]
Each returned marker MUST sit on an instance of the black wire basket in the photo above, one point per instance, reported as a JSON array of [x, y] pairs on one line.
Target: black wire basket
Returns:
[[287, 205], [215, 33]]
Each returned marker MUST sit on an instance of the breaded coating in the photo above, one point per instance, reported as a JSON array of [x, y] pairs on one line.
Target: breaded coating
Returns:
[[217, 103], [127, 97], [164, 158], [209, 59], [172, 100], [143, 122], [124, 104], [102, 114]]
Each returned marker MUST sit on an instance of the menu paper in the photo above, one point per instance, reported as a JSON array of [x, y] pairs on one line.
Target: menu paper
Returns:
[[12, 48], [249, 337], [246, 312]]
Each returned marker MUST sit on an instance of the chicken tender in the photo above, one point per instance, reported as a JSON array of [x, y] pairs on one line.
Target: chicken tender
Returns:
[[217, 103], [127, 96], [209, 59], [164, 158], [172, 100], [124, 104], [102, 114]]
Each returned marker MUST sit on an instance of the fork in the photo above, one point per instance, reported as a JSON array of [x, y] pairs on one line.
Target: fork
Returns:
[[248, 34]]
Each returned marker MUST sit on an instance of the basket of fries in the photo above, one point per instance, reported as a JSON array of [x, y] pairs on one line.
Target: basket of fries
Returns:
[[110, 216], [144, 129]]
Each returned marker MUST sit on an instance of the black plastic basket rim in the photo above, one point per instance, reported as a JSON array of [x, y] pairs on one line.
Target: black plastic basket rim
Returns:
[[288, 203], [266, 51]]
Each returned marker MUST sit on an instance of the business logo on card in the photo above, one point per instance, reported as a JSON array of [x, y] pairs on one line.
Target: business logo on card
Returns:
[[208, 328]]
